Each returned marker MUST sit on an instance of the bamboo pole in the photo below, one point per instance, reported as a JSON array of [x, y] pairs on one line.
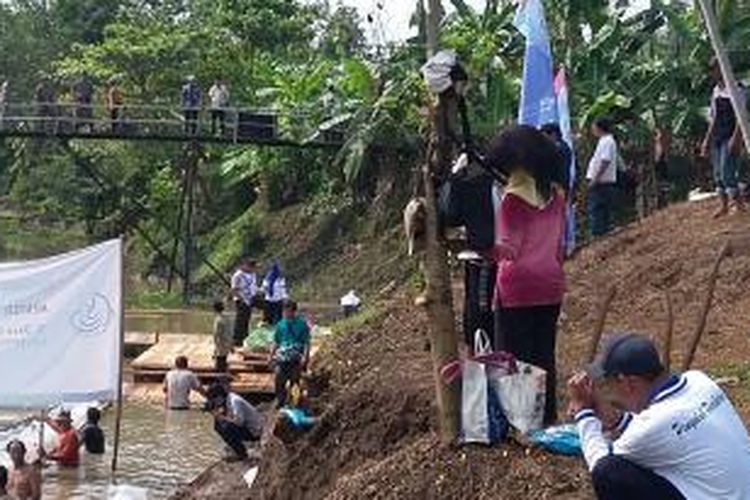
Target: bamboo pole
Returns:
[[118, 415], [712, 26], [667, 351], [703, 314], [601, 320]]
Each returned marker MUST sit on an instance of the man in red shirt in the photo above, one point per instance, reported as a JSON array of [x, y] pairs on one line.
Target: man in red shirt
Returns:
[[66, 451]]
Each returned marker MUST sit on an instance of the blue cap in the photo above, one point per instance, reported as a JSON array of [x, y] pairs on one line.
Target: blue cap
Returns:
[[627, 354]]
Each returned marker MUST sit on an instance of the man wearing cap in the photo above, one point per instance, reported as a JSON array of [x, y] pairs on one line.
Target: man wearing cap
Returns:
[[678, 436], [66, 451]]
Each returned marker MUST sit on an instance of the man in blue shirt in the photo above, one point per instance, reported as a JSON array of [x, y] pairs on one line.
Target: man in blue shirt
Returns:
[[290, 352]]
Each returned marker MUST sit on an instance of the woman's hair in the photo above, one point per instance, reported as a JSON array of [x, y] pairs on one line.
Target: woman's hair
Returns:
[[524, 147], [604, 124]]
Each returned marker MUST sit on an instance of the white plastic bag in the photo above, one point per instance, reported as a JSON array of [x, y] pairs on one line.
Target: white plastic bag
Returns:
[[522, 396], [437, 71], [481, 415]]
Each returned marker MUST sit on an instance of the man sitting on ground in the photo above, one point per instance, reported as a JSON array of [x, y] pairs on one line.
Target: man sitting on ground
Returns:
[[24, 480], [679, 435], [92, 435], [178, 383], [66, 451], [235, 420]]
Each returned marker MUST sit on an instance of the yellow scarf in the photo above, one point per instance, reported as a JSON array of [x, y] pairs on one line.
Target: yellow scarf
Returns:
[[523, 185]]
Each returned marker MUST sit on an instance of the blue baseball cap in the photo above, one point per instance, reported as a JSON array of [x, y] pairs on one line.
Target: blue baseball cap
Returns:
[[626, 354]]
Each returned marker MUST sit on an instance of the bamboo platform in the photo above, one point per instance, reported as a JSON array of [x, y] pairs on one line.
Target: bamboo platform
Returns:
[[248, 373]]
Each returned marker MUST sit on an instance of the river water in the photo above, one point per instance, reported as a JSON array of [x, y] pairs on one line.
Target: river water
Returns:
[[159, 451]]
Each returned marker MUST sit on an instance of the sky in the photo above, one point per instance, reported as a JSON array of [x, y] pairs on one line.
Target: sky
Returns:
[[394, 16]]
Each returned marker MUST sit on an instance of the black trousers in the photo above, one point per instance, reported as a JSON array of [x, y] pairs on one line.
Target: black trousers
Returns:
[[218, 115], [114, 117], [286, 372], [191, 120], [272, 311], [529, 334], [234, 436], [615, 478], [220, 364], [241, 321], [479, 290]]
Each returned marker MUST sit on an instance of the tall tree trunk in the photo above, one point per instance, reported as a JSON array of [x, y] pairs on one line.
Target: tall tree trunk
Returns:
[[439, 299]]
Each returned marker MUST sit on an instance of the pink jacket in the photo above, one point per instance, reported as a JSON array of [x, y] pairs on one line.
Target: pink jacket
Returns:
[[529, 252]]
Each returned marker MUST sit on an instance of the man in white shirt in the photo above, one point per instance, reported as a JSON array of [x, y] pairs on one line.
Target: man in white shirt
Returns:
[[679, 435], [601, 176], [178, 383], [218, 94], [235, 420], [244, 290]]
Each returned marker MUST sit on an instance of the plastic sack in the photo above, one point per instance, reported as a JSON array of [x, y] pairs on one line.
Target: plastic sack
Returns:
[[482, 419], [437, 71], [259, 339], [522, 396], [560, 439]]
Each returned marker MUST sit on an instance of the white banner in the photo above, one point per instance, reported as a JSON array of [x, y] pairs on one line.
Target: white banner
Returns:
[[60, 327]]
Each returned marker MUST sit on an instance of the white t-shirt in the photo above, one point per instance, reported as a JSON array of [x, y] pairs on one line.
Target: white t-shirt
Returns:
[[247, 285], [606, 150], [350, 300], [246, 413], [179, 384], [279, 290], [219, 96], [690, 434]]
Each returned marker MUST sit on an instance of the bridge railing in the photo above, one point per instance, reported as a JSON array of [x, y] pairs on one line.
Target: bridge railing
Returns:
[[231, 124]]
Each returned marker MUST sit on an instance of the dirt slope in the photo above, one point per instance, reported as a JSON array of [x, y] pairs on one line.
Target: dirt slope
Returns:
[[377, 437]]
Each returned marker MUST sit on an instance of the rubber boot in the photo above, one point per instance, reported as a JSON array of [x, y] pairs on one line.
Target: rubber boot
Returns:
[[724, 208], [737, 205]]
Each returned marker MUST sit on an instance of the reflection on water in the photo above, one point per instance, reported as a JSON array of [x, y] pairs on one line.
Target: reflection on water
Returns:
[[159, 450]]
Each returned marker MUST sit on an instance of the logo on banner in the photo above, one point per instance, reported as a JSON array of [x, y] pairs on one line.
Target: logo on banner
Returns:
[[93, 317]]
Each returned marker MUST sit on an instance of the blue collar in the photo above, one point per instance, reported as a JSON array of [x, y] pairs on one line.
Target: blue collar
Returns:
[[671, 386]]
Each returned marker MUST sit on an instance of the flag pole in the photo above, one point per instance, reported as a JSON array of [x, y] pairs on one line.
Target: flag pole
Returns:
[[118, 415]]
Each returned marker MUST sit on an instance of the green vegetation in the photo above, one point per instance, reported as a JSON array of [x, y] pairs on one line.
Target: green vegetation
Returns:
[[312, 60]]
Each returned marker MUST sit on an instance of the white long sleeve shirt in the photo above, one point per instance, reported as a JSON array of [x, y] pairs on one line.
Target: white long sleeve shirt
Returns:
[[690, 434]]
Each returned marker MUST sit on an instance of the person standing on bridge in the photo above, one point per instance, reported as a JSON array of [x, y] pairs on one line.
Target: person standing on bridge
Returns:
[[244, 290], [46, 101], [83, 92], [191, 103], [219, 96], [114, 104], [3, 101]]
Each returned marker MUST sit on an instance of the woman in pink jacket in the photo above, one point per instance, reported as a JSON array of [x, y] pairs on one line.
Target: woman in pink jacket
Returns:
[[529, 251]]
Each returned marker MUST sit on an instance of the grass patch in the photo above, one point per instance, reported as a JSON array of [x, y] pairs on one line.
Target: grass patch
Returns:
[[366, 316]]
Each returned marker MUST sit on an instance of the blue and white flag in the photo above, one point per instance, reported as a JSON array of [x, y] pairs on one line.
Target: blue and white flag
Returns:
[[538, 102]]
